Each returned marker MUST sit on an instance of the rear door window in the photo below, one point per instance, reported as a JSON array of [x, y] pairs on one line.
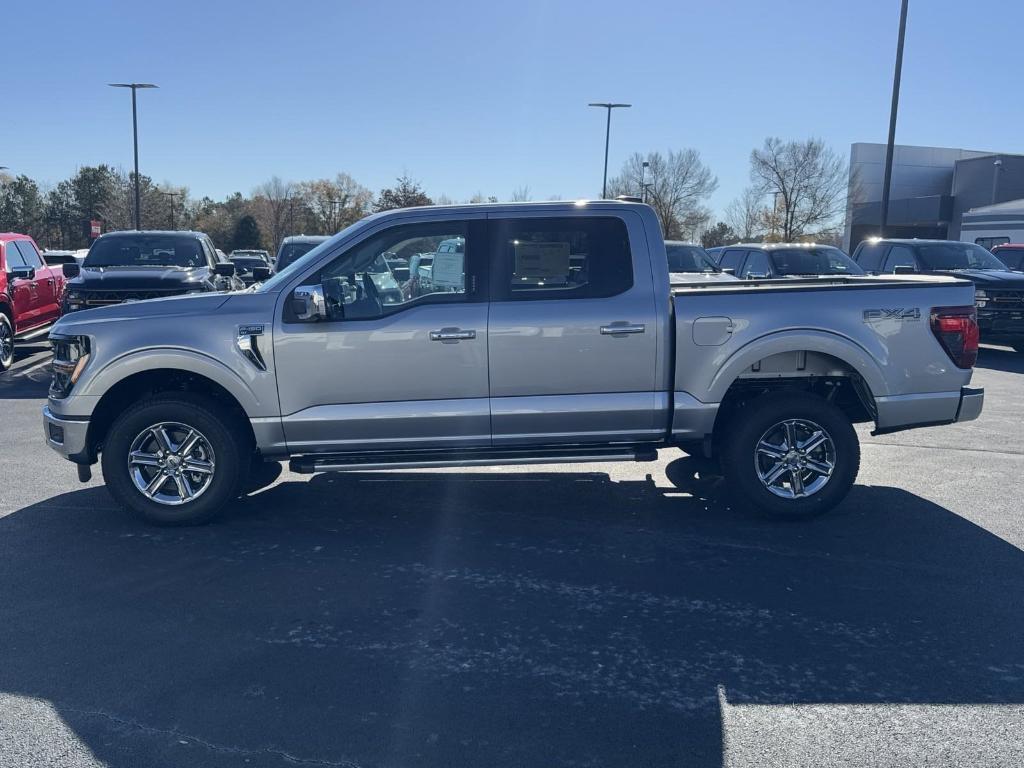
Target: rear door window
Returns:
[[570, 258]]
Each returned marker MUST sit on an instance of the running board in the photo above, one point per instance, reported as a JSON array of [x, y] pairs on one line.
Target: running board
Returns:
[[357, 462], [34, 333]]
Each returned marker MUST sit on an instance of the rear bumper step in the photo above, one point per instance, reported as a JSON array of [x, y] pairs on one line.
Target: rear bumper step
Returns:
[[355, 462]]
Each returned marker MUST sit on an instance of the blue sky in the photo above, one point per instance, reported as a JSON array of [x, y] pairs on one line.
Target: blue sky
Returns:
[[485, 96]]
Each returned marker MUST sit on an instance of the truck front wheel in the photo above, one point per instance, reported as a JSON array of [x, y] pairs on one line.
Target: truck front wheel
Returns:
[[176, 459], [6, 343], [789, 454]]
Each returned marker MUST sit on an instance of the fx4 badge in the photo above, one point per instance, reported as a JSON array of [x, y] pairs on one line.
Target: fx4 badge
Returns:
[[901, 314]]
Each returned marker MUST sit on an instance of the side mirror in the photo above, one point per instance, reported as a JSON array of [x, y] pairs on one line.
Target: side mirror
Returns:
[[23, 273], [260, 274], [308, 303], [224, 269], [71, 270], [904, 269]]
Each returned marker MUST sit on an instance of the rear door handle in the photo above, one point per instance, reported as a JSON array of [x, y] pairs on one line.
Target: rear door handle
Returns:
[[451, 334], [617, 329]]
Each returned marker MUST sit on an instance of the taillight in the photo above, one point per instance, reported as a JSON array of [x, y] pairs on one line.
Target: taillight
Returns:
[[956, 328]]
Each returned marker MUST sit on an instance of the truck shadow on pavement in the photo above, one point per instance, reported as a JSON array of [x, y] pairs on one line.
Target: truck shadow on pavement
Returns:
[[491, 618], [1001, 359]]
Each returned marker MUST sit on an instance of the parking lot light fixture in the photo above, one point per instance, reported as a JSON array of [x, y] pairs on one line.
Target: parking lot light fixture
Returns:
[[607, 133], [135, 135]]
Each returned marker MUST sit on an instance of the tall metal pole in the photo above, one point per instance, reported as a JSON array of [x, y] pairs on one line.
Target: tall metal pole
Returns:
[[135, 137], [887, 180], [607, 138]]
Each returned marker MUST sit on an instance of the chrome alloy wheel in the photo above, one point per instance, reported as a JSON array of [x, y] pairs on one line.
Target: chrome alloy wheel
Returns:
[[171, 463], [795, 458]]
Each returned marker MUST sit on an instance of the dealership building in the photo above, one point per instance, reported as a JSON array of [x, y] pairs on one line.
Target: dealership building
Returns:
[[932, 189]]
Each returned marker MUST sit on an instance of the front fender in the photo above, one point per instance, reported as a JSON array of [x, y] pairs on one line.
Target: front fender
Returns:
[[840, 347], [188, 361]]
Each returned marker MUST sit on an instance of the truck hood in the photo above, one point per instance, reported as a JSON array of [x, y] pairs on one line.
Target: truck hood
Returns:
[[138, 278], [172, 306], [993, 278]]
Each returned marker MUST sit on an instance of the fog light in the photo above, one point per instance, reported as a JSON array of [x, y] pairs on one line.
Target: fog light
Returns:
[[56, 433]]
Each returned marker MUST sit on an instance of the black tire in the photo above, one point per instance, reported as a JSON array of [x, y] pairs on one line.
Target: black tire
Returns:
[[224, 431], [757, 419], [6, 343]]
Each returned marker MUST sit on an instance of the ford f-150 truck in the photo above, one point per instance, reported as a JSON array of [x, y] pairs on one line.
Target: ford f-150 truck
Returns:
[[556, 337], [30, 294]]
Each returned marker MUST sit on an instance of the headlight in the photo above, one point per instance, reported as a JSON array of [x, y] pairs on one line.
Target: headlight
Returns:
[[74, 300], [70, 356], [980, 298]]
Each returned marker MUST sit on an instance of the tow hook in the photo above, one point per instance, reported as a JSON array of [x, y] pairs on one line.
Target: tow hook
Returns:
[[84, 473]]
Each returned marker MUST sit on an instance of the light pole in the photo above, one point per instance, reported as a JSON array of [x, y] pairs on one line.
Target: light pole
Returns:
[[887, 180], [643, 174], [171, 195], [135, 134], [607, 134]]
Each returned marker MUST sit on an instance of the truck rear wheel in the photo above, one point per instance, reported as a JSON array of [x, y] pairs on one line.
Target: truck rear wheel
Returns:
[[791, 455], [6, 343], [176, 459]]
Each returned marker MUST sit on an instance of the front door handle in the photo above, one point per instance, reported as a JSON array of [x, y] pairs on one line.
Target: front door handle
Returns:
[[620, 329], [451, 334]]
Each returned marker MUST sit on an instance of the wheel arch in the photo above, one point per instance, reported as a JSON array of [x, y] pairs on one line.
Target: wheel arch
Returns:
[[852, 357], [157, 381]]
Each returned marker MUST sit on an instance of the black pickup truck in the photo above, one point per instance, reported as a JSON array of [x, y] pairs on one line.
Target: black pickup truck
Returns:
[[999, 293], [138, 265]]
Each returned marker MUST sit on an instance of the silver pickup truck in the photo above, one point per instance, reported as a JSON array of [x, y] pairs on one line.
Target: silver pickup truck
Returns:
[[556, 337]]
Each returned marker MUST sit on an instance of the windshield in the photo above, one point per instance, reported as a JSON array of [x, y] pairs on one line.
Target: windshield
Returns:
[[688, 258], [822, 260], [951, 256], [146, 251]]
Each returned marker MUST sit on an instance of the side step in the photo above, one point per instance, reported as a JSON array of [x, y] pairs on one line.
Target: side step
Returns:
[[33, 333], [468, 457]]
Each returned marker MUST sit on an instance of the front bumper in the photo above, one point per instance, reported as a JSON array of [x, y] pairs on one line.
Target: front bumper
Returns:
[[68, 436], [1001, 322]]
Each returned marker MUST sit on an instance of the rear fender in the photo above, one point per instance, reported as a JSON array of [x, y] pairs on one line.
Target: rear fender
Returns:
[[850, 353]]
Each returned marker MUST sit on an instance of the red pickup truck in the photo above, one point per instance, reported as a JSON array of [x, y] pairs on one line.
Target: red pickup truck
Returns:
[[30, 293]]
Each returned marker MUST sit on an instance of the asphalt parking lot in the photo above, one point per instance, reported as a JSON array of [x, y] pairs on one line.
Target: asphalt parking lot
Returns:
[[592, 615]]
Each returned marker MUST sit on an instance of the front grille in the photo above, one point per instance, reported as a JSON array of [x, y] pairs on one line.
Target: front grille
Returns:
[[103, 298], [1005, 300]]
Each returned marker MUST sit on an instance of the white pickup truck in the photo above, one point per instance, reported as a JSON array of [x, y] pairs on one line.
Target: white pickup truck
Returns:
[[561, 339]]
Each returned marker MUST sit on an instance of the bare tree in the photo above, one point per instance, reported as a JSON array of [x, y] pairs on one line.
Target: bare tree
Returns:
[[746, 215], [675, 185], [272, 202], [808, 183], [329, 205], [520, 194]]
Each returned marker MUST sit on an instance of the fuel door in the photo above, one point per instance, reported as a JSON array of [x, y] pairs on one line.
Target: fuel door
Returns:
[[712, 331]]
